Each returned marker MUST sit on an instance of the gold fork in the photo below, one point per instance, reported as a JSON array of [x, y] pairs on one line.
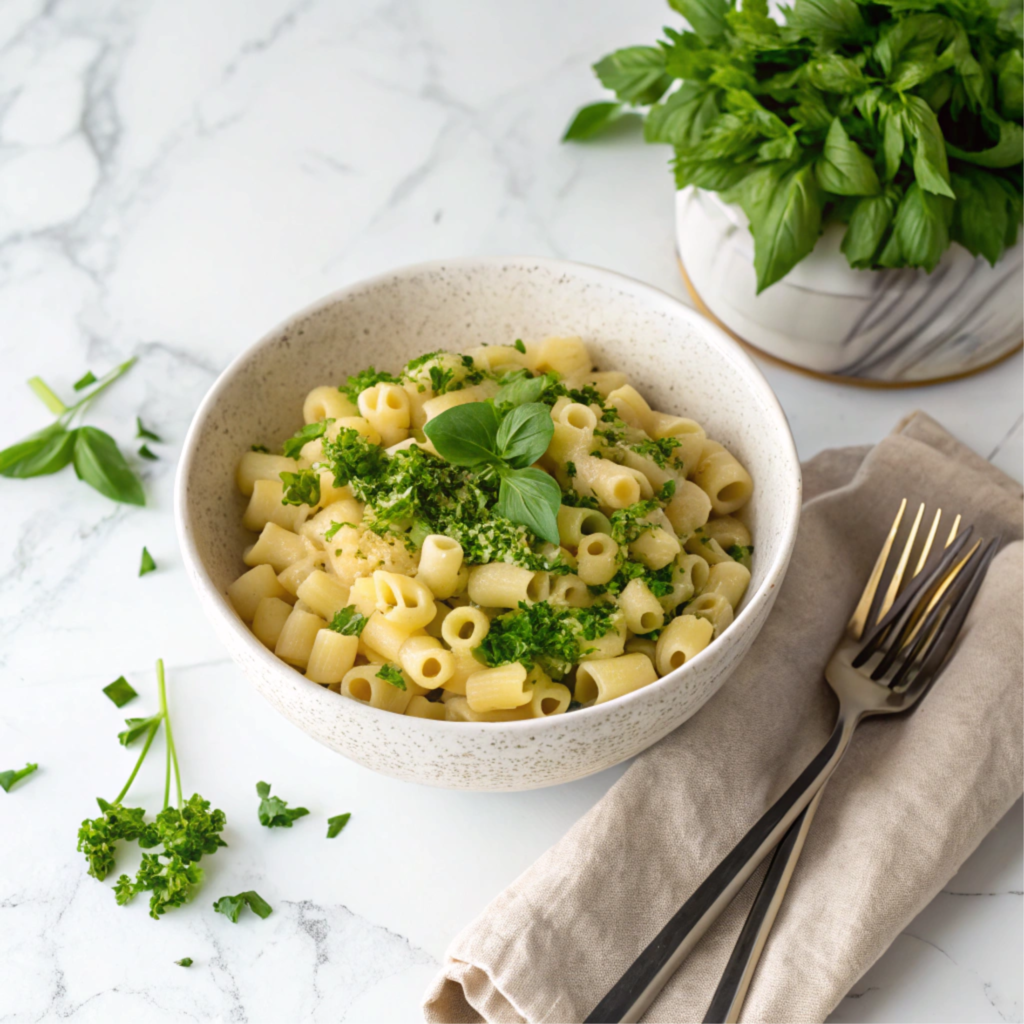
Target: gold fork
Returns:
[[887, 672]]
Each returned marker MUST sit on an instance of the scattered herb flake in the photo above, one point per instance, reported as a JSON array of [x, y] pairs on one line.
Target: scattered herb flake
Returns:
[[185, 961], [9, 778], [392, 675], [143, 432], [147, 454], [84, 381], [336, 824], [292, 448], [120, 691], [231, 906], [275, 812], [148, 565], [348, 621]]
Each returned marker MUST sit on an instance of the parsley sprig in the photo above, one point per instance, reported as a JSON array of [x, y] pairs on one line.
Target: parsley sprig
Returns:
[[94, 454], [186, 831], [275, 812]]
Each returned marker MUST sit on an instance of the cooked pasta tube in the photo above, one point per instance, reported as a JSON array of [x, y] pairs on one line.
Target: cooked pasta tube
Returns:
[[689, 508], [276, 547], [465, 627], [600, 681], [576, 523], [327, 403], [713, 607], [597, 559], [295, 641], [324, 593], [253, 466], [730, 579], [420, 707], [405, 601], [726, 482], [331, 657], [251, 587], [500, 585], [642, 609], [269, 619], [498, 689], [440, 562], [426, 662], [364, 684], [683, 638]]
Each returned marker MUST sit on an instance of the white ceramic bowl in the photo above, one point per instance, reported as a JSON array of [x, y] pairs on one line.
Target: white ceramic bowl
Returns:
[[680, 361]]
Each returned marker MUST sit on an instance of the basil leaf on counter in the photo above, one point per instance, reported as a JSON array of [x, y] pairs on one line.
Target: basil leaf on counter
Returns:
[[99, 462]]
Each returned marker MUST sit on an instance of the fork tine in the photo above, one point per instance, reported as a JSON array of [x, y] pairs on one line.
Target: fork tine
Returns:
[[859, 618], [897, 576], [910, 592], [926, 550], [936, 647], [921, 619], [952, 532]]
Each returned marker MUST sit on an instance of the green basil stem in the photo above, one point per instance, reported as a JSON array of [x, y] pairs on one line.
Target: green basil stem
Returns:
[[45, 394], [102, 384], [172, 754], [138, 764]]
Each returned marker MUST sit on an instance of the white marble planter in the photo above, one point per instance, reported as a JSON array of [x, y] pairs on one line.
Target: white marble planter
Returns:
[[872, 327]]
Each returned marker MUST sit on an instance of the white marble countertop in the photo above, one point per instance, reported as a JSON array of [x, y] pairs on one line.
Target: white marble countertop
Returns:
[[175, 177]]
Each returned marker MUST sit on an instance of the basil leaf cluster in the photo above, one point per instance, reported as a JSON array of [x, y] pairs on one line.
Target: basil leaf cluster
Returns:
[[505, 442], [901, 119]]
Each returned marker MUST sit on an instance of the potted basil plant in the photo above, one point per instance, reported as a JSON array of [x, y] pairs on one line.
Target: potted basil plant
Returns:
[[850, 176]]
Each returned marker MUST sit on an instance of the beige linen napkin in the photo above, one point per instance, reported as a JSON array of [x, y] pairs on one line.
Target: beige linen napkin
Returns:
[[913, 797]]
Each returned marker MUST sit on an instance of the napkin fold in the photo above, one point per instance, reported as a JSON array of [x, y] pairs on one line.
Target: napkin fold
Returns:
[[911, 800]]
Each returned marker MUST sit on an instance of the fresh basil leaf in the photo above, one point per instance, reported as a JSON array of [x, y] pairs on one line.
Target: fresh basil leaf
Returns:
[[591, 120], [920, 232], [930, 166], [1010, 85], [835, 73], [811, 112], [682, 118], [981, 214], [524, 434], [754, 27], [827, 22], [336, 824], [893, 141], [706, 17], [231, 906], [40, 455], [120, 691], [635, 74], [521, 390], [713, 175], [465, 435], [789, 228], [1007, 152], [868, 224], [843, 167], [99, 462], [531, 497]]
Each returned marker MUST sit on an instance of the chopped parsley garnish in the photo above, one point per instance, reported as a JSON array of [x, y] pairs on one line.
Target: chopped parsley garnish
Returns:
[[415, 364], [292, 448], [545, 634], [628, 524], [259, 448], [440, 379], [740, 552], [334, 528], [667, 491], [659, 452], [347, 621], [10, 777], [392, 675], [519, 346], [148, 565], [185, 961], [336, 824], [275, 812], [367, 379], [302, 488], [147, 454], [120, 691], [570, 469]]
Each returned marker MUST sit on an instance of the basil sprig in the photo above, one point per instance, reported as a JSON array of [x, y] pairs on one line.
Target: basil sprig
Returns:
[[94, 454], [476, 435]]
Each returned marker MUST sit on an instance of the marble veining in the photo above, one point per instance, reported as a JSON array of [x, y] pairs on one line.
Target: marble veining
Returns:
[[175, 178]]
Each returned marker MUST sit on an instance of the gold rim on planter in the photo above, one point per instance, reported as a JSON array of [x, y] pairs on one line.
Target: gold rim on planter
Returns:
[[834, 378]]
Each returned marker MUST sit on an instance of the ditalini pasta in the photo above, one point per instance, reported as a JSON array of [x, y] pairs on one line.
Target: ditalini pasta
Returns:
[[413, 583]]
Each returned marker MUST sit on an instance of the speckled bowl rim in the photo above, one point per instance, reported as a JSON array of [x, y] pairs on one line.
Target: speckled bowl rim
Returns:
[[649, 296]]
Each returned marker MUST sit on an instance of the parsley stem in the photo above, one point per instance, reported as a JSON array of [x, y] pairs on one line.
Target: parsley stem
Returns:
[[47, 396], [101, 385], [138, 764], [172, 754]]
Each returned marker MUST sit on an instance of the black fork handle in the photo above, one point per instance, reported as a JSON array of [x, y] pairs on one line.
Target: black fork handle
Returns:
[[630, 996]]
